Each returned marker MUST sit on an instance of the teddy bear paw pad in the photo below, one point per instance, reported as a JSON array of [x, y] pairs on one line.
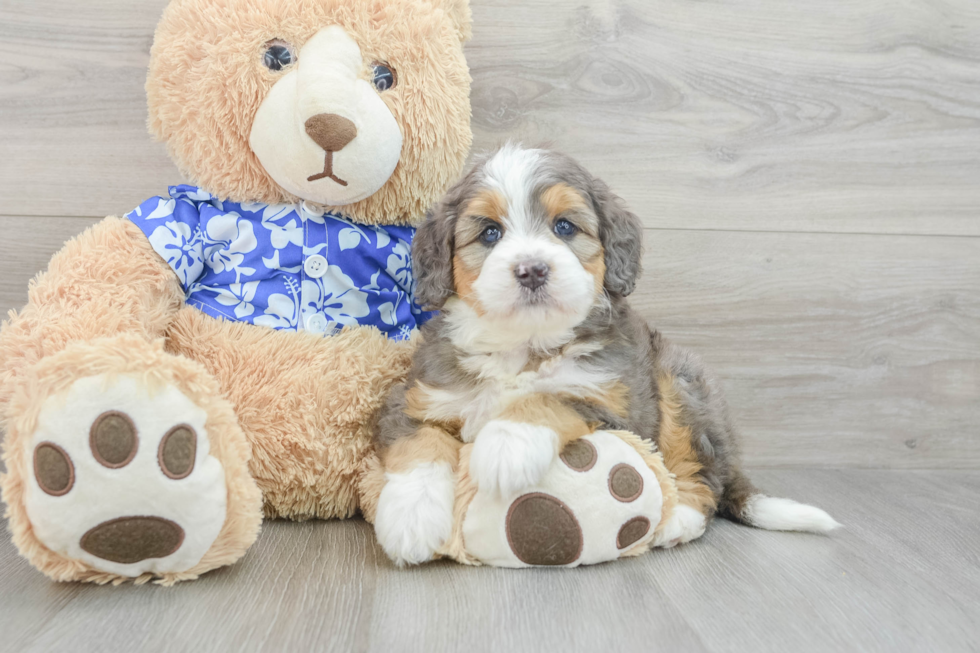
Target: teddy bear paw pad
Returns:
[[123, 477], [542, 530], [599, 500]]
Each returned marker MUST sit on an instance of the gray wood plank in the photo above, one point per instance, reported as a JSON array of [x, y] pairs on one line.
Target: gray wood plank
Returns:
[[842, 116], [301, 587], [749, 590], [927, 522], [447, 607], [899, 577], [835, 350], [837, 116]]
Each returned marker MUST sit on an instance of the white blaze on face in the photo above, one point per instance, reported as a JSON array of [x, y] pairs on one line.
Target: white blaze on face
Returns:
[[326, 80], [567, 297]]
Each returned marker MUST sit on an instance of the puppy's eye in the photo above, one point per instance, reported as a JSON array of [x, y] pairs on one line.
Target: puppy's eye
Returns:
[[490, 235], [564, 228], [384, 76], [278, 55]]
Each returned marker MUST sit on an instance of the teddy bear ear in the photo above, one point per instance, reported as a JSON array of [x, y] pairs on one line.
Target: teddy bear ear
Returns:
[[459, 12]]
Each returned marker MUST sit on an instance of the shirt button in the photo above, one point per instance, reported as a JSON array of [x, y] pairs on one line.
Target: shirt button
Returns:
[[316, 323], [312, 209], [315, 266]]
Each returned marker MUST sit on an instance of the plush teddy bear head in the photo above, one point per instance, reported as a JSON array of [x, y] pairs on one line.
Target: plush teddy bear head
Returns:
[[361, 106]]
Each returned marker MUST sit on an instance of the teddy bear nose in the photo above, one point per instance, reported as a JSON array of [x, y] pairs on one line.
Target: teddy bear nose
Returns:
[[330, 131]]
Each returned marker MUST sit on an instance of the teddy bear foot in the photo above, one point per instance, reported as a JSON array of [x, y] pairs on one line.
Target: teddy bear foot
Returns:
[[121, 477]]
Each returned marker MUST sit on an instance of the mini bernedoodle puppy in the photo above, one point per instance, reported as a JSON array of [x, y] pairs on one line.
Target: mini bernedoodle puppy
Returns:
[[529, 259]]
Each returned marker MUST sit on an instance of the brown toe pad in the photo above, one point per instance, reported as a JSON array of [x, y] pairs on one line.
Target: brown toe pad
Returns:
[[131, 539], [541, 530], [113, 439], [177, 451], [53, 469], [625, 483], [579, 455], [632, 531]]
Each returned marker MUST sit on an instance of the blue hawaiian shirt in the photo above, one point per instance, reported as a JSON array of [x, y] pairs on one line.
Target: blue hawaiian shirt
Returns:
[[286, 266]]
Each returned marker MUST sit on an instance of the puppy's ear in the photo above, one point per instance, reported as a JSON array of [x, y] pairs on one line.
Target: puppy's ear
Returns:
[[621, 233], [432, 256]]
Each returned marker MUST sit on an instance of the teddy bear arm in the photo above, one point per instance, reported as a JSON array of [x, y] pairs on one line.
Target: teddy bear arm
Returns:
[[106, 282], [123, 460]]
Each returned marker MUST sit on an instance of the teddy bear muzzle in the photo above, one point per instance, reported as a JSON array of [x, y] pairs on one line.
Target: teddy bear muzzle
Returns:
[[323, 132], [332, 133]]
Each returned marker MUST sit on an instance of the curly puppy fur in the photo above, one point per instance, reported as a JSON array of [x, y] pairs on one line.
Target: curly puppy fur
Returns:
[[549, 351]]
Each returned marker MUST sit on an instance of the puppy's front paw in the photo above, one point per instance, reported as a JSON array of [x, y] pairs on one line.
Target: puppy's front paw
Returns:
[[510, 456], [684, 525], [415, 513]]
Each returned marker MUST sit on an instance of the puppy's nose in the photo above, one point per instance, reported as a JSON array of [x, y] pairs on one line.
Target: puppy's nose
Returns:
[[531, 274], [330, 131]]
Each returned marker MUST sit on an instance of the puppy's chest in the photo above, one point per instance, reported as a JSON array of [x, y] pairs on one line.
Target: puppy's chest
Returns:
[[500, 379]]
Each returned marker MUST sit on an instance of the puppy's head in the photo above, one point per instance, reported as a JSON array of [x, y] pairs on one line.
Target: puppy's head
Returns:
[[530, 240]]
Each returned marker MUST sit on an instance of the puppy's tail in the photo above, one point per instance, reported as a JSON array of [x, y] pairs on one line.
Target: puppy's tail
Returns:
[[743, 503]]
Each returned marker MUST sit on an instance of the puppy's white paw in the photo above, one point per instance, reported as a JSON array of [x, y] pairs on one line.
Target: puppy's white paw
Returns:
[[510, 456], [415, 513], [684, 525]]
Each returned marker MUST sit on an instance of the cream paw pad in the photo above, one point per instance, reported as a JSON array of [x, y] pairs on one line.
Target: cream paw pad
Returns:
[[602, 498], [120, 484]]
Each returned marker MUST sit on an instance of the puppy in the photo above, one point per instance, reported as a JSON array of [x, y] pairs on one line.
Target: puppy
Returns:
[[530, 259]]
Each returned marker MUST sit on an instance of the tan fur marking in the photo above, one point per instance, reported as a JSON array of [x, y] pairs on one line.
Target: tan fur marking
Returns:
[[561, 198], [417, 406], [597, 268], [463, 280], [615, 397], [675, 444], [429, 444], [416, 403], [466, 490], [488, 203], [548, 410]]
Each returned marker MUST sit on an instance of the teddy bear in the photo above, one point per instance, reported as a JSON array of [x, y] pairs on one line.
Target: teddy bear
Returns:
[[216, 355]]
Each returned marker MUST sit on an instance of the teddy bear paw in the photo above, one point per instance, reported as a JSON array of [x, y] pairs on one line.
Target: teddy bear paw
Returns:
[[509, 457], [121, 478], [684, 525], [415, 513]]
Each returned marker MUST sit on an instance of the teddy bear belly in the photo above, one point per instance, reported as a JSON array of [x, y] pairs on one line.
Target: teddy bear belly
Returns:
[[305, 403]]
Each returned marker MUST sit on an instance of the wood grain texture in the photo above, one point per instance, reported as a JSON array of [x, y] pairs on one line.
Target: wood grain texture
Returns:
[[901, 576], [833, 116], [835, 350]]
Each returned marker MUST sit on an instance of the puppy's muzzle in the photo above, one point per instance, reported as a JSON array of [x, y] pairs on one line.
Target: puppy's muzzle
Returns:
[[531, 274]]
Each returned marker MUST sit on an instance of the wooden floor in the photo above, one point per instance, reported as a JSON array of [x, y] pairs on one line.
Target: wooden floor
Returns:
[[901, 576], [809, 178]]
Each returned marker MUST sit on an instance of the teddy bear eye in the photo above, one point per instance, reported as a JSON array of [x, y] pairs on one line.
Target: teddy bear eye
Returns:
[[278, 55], [384, 76]]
